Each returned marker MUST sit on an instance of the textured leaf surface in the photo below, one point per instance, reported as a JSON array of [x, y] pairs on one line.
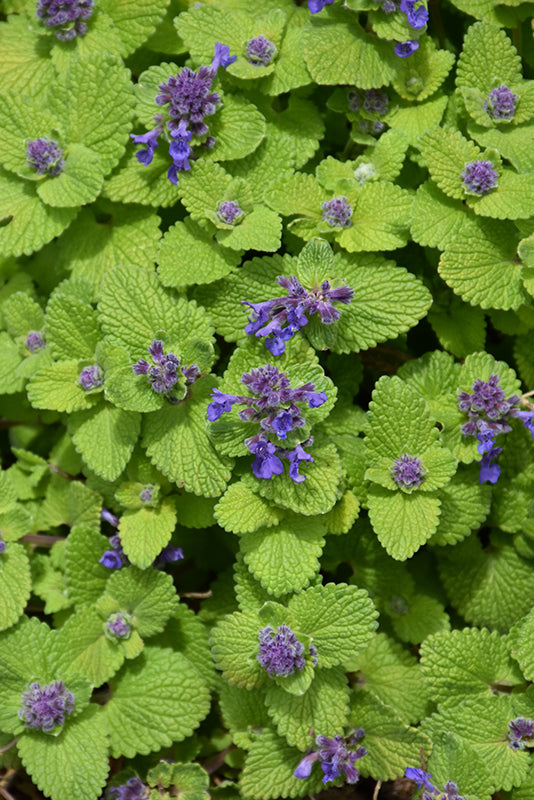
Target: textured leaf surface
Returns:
[[105, 437], [269, 768], [240, 510], [487, 54], [15, 584], [85, 577], [158, 700], [452, 755], [235, 643], [145, 532], [71, 327], [188, 255], [402, 522], [147, 596], [56, 387]]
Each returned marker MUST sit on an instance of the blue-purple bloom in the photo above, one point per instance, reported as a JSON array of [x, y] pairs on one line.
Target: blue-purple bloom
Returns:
[[314, 6], [405, 49], [133, 789], [336, 755], [179, 151], [280, 652], [150, 139], [229, 212], [45, 156], [68, 16], [169, 555], [274, 409], [116, 557], [91, 378], [417, 17], [107, 516], [119, 626], [501, 103], [479, 177], [420, 777], [518, 729], [279, 319], [34, 341], [260, 51], [165, 370], [408, 471], [2, 545], [337, 212], [45, 707]]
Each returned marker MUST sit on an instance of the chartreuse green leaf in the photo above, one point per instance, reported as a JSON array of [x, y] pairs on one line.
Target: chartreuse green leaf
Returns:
[[48, 583], [234, 645], [324, 707], [241, 510], [71, 327], [453, 758], [243, 712], [177, 443], [73, 765], [26, 65], [419, 76], [488, 59], [446, 152], [85, 577], [238, 128], [269, 767], [134, 22], [148, 185], [105, 437], [159, 699], [284, 558], [464, 505], [80, 180], [146, 531], [339, 619], [522, 645], [436, 218], [460, 328], [513, 144], [15, 584], [483, 723], [391, 674], [26, 223], [22, 314], [189, 781], [391, 744], [185, 632], [206, 261], [477, 581], [57, 387], [147, 597], [467, 663]]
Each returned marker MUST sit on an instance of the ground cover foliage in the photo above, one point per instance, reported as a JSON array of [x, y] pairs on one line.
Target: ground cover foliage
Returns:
[[266, 382]]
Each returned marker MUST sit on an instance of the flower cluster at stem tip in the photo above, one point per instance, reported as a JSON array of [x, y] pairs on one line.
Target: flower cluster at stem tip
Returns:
[[408, 472], [274, 409], [165, 371], [189, 99], [67, 17], [45, 157], [518, 729], [479, 177], [280, 318], [337, 756], [43, 708], [281, 653], [490, 413], [501, 103], [431, 792]]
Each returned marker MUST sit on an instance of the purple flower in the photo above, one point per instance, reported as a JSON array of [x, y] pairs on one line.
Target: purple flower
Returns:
[[295, 458], [488, 471], [479, 177], [375, 102], [91, 378], [337, 212], [417, 18], [487, 407], [229, 212], [314, 6], [519, 728], [146, 494], [151, 140], [420, 777], [34, 341], [337, 756], [528, 420], [165, 371], [44, 708], [115, 558], [501, 103], [281, 317], [133, 789], [280, 652], [266, 464], [45, 156], [222, 403], [107, 516], [405, 49], [169, 555], [66, 15], [2, 545], [179, 151], [260, 51], [118, 626], [222, 57], [408, 471]]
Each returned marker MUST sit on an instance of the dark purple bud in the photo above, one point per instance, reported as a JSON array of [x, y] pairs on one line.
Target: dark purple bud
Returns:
[[375, 102], [479, 177], [229, 212], [337, 756], [91, 378], [34, 341], [119, 626], [501, 103], [405, 49], [519, 729], [280, 652], [417, 17], [408, 472], [66, 15], [45, 156], [44, 708], [260, 51], [146, 494], [337, 212]]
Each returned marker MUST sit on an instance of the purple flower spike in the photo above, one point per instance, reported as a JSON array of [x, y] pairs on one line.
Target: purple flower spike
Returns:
[[151, 140], [337, 756], [44, 708], [337, 212], [34, 341], [405, 49], [229, 212], [314, 6], [66, 15], [190, 100], [501, 103], [45, 156], [408, 472], [119, 627], [91, 378], [479, 177], [280, 652], [222, 57], [260, 51], [417, 18], [133, 789]]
